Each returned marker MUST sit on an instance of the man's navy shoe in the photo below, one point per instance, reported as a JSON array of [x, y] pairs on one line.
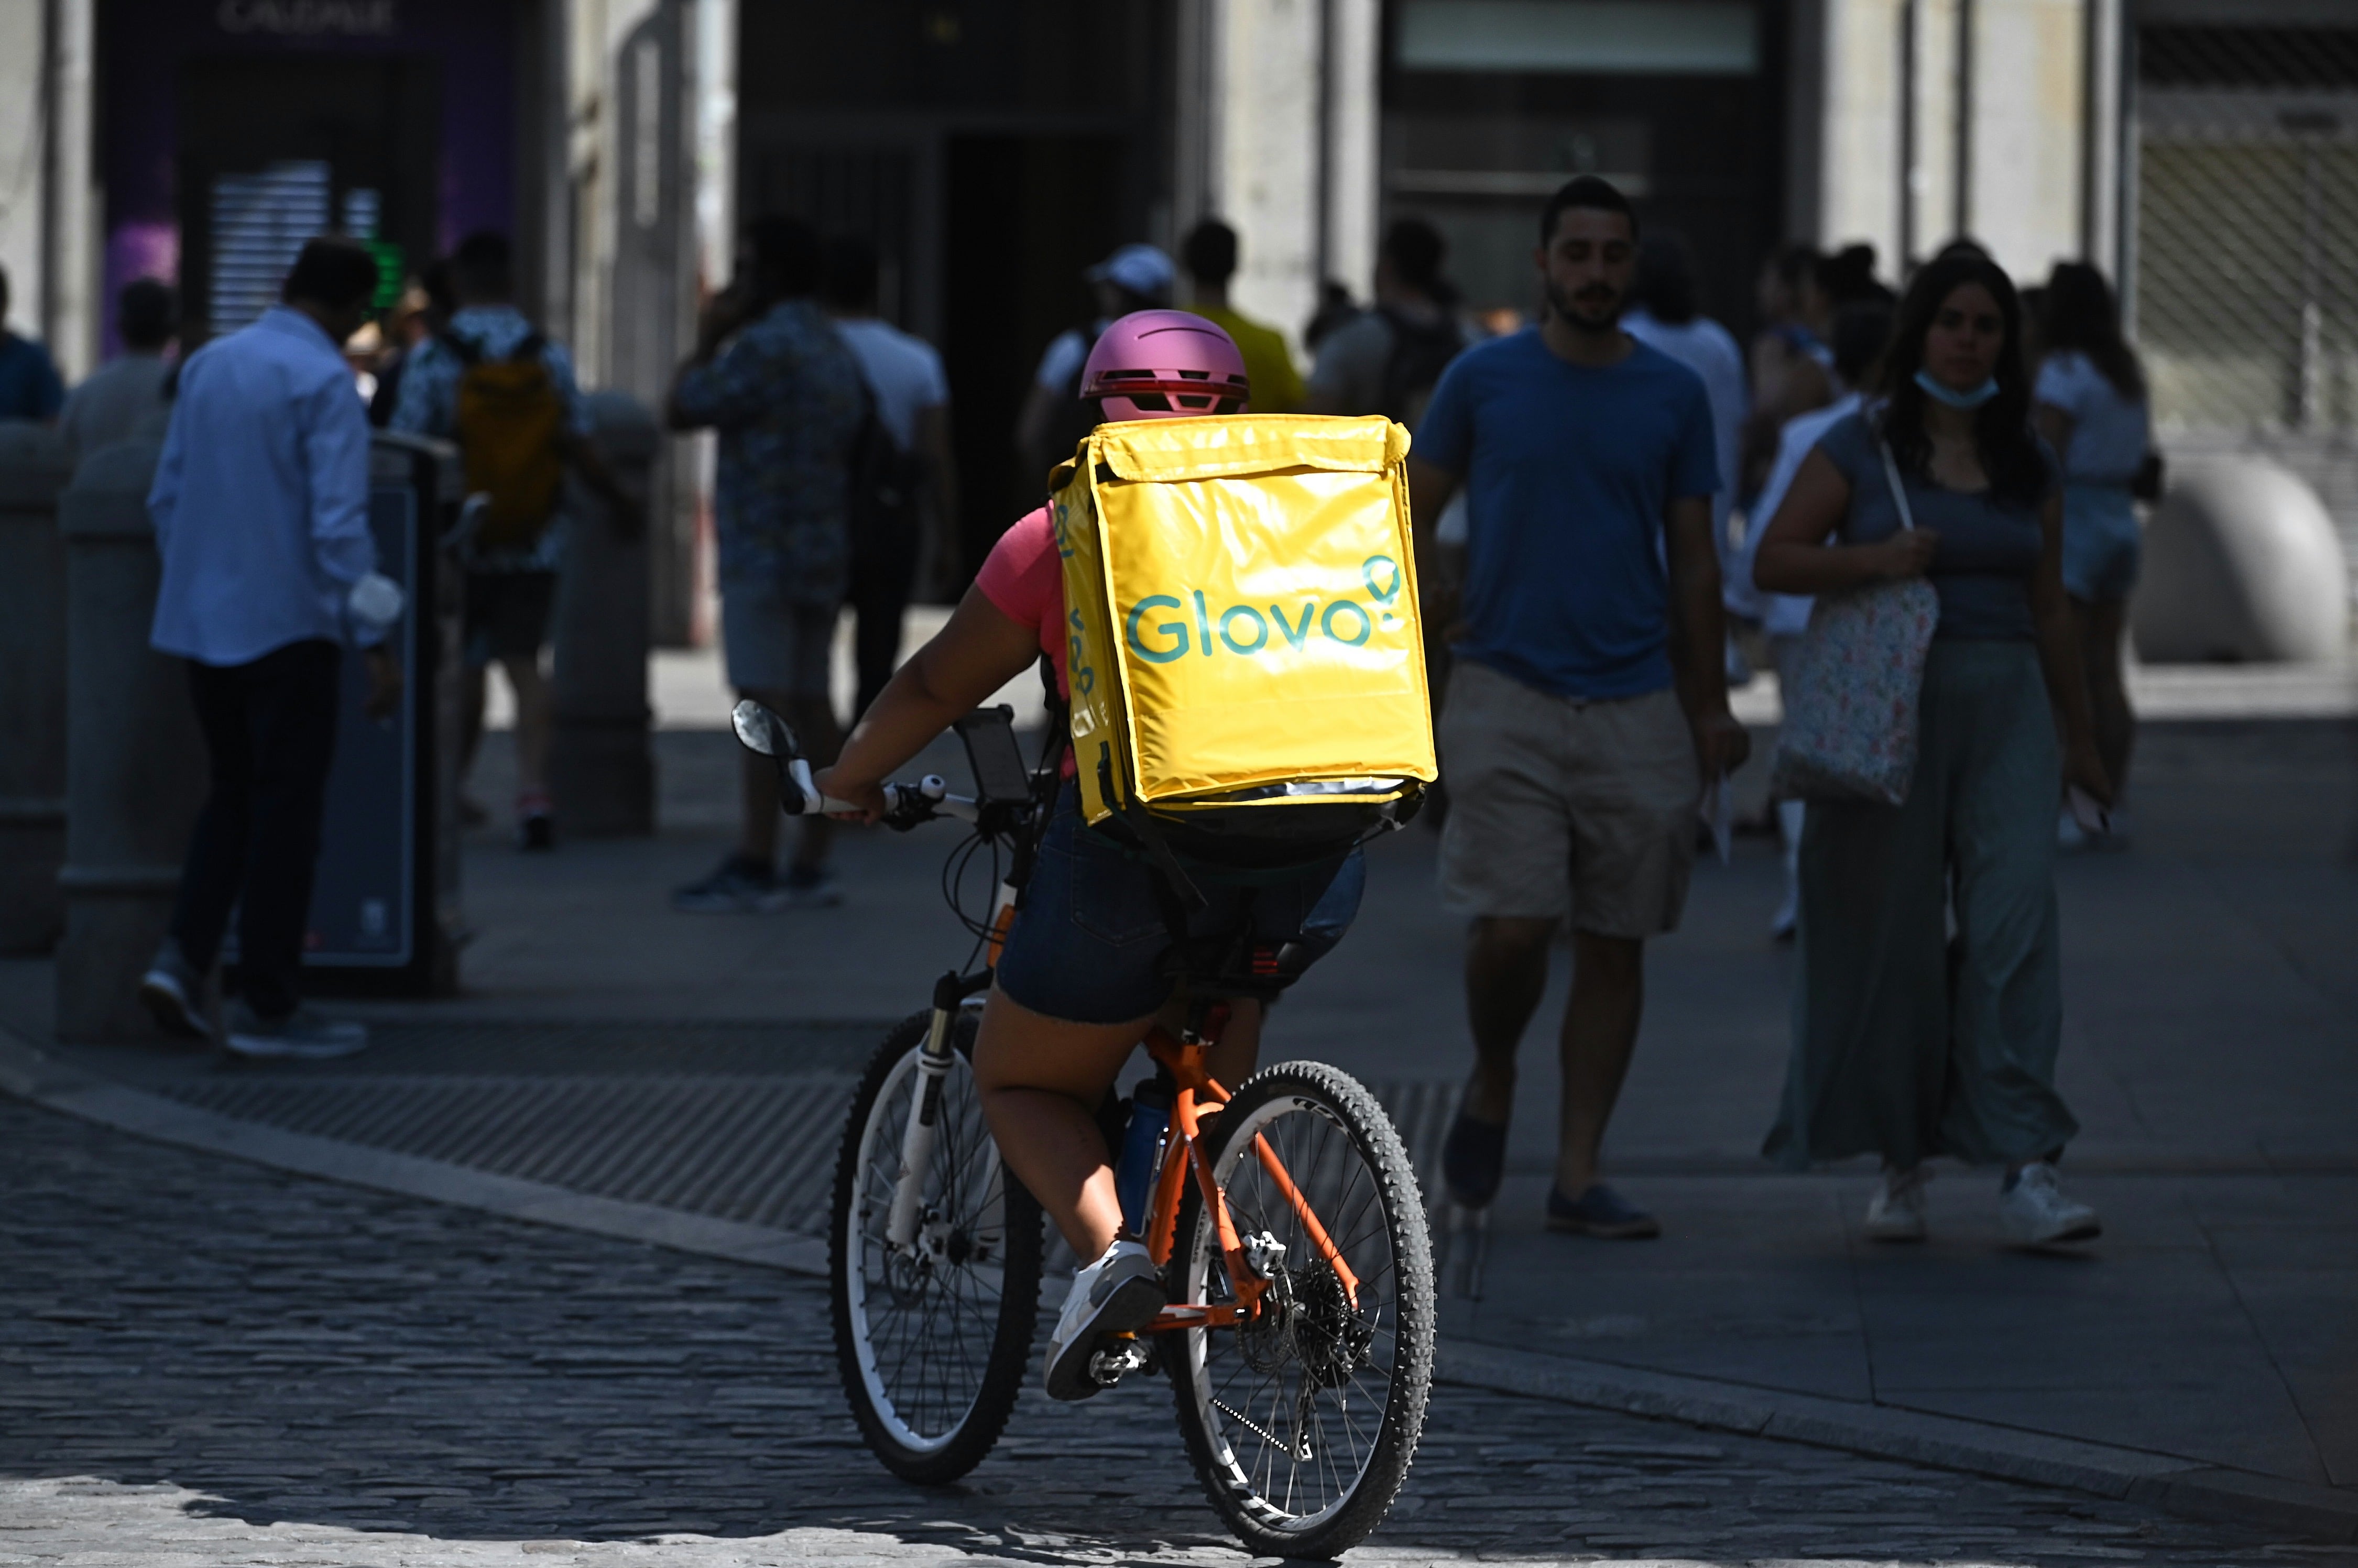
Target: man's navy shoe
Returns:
[[1474, 1161], [1602, 1212]]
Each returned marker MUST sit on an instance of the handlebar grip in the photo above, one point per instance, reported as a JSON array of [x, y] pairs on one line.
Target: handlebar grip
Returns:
[[807, 801]]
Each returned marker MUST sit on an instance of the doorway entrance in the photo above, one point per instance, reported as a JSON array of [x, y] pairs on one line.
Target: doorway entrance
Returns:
[[275, 151], [1022, 218]]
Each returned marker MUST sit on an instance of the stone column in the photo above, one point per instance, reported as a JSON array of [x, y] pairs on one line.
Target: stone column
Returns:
[[33, 468], [601, 768], [135, 760]]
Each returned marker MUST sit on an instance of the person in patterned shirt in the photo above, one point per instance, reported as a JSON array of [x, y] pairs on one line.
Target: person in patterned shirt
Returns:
[[769, 375]]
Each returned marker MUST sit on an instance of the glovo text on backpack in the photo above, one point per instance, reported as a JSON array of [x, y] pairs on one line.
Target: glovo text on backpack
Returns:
[[1242, 615]]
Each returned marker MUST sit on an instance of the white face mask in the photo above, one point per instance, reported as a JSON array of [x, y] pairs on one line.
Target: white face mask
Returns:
[[1953, 399]]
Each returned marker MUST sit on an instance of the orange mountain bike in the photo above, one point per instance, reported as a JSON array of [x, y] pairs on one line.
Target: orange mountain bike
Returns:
[[1283, 1214]]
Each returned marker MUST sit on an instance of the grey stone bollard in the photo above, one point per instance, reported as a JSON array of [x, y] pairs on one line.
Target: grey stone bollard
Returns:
[[34, 468], [135, 760], [601, 766], [2241, 564]]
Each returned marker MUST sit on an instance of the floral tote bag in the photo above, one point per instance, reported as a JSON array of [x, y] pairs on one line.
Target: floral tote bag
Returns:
[[1857, 680]]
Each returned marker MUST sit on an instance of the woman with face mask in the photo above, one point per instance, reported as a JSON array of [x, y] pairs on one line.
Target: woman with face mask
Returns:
[[1909, 1043]]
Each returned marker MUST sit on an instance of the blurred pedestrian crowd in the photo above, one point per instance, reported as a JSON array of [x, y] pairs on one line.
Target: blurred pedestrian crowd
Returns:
[[1622, 511]]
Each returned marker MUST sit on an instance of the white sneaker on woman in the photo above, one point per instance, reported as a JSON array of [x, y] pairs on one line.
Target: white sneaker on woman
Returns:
[[2034, 1212], [1120, 1293], [1896, 1212]]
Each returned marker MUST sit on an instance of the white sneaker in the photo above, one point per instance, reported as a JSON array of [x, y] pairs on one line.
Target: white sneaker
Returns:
[[1896, 1212], [175, 995], [2068, 833], [1787, 918], [1119, 1293], [2035, 1213], [302, 1035]]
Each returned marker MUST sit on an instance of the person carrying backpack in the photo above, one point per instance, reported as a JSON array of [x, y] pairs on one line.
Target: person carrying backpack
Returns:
[[1056, 417], [504, 392], [1081, 976], [1388, 358]]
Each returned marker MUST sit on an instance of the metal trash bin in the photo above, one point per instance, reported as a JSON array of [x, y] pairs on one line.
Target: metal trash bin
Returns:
[[385, 900]]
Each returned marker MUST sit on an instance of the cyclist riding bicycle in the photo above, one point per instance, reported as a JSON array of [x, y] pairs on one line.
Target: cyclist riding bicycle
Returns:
[[1083, 974]]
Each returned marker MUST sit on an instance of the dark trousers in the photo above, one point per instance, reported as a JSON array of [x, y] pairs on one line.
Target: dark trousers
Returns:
[[270, 732], [883, 570]]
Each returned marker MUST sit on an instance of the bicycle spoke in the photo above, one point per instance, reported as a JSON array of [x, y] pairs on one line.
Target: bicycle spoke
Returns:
[[930, 1317]]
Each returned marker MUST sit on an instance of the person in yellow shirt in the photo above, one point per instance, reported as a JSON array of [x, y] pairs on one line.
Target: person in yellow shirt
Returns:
[[1209, 254]]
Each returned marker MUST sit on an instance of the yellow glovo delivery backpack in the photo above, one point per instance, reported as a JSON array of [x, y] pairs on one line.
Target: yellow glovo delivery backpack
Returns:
[[1246, 663]]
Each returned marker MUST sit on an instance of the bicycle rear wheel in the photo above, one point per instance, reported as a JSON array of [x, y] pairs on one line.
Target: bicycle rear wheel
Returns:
[[932, 1339], [1302, 1421]]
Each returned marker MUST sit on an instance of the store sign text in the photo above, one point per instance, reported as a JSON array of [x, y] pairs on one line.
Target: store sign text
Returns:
[[306, 18]]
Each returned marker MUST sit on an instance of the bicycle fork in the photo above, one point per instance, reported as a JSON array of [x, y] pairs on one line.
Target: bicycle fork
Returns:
[[923, 1130]]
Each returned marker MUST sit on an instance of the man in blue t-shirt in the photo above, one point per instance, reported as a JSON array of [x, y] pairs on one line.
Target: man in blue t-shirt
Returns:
[[1588, 702]]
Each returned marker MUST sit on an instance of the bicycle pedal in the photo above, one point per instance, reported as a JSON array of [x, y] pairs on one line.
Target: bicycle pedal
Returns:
[[1111, 1366]]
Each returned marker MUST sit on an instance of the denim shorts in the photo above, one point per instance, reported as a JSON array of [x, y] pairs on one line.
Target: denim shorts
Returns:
[[771, 642], [2101, 544], [1087, 944]]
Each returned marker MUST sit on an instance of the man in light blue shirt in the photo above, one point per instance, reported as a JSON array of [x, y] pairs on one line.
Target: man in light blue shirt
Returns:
[[261, 511]]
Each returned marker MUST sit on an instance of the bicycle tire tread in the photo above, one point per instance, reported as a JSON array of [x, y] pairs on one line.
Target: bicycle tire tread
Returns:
[[1403, 1422]]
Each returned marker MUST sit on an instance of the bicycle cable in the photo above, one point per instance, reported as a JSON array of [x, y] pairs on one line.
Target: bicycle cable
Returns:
[[955, 867]]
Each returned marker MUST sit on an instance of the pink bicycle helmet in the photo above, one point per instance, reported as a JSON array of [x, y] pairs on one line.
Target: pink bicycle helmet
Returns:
[[1161, 364]]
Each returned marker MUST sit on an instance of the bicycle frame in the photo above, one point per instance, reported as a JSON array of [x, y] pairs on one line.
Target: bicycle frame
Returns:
[[917, 1139], [1198, 1095]]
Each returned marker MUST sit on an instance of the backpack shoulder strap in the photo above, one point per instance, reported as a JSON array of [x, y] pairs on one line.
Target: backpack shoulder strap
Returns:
[[530, 347], [469, 351]]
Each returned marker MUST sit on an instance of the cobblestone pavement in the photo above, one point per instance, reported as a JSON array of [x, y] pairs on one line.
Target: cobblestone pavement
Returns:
[[206, 1362]]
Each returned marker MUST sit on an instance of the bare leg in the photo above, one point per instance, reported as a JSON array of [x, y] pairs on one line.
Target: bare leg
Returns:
[[1506, 974], [534, 722], [1231, 1062], [2108, 694], [1041, 1079], [1600, 1033]]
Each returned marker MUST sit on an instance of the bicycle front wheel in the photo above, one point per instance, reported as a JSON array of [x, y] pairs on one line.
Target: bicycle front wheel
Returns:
[[1301, 1420], [931, 1339]]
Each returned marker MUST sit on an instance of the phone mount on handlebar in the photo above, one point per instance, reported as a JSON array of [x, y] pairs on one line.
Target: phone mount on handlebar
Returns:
[[992, 752]]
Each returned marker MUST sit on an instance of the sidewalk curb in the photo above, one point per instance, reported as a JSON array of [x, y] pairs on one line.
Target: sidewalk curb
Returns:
[[30, 1073], [2164, 1481], [2176, 1485]]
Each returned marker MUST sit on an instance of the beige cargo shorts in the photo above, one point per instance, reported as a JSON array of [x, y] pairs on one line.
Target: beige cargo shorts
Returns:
[[1563, 807]]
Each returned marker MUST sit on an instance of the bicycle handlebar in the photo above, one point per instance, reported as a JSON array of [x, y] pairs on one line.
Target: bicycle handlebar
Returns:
[[906, 805]]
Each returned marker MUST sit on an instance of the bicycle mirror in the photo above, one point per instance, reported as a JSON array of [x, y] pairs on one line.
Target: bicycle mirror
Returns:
[[763, 731]]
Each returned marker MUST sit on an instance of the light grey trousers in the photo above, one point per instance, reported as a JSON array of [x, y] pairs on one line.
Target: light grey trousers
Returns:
[[1907, 1043]]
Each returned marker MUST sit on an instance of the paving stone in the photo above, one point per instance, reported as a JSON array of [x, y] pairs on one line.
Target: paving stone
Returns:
[[206, 1362]]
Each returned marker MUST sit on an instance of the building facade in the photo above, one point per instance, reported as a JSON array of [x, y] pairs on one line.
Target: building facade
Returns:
[[2205, 152]]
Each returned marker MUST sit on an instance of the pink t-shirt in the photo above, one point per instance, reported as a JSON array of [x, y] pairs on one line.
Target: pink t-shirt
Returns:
[[1025, 580]]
